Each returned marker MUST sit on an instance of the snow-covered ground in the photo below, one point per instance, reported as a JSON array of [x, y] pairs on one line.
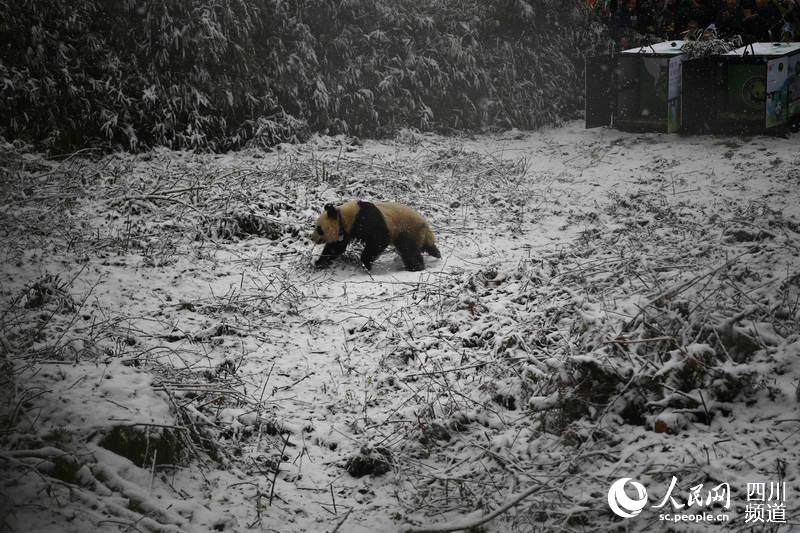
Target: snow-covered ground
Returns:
[[608, 305]]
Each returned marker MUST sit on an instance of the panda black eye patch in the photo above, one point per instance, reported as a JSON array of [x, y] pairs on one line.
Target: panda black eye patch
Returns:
[[319, 230]]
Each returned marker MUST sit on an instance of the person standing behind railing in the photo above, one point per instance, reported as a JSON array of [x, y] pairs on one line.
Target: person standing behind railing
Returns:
[[790, 20]]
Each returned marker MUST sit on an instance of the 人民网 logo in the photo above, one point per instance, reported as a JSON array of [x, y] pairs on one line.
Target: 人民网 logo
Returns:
[[622, 504], [702, 503]]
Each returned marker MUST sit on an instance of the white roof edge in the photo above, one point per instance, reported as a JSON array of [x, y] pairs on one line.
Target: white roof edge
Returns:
[[666, 47], [766, 49]]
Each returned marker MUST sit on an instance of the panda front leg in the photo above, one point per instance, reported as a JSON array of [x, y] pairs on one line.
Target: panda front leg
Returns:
[[410, 253], [331, 251]]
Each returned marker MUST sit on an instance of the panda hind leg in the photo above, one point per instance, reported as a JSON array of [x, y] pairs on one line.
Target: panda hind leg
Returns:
[[432, 250], [371, 252], [409, 253]]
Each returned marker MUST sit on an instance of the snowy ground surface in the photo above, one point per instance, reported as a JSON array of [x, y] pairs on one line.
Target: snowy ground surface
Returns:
[[607, 305]]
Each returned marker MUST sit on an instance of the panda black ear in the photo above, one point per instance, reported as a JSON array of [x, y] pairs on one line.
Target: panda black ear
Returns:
[[331, 210]]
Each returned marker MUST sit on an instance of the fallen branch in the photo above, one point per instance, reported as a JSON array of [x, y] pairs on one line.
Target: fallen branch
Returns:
[[341, 522], [446, 370], [470, 524]]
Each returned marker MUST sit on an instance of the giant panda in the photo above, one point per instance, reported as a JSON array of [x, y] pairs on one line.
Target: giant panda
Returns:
[[377, 225]]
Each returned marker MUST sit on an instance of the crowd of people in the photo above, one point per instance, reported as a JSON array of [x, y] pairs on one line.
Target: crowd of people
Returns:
[[752, 20]]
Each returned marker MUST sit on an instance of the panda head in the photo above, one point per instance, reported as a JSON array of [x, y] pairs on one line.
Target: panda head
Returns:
[[328, 227]]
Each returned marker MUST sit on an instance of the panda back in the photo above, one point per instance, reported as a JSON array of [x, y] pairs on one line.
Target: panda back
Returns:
[[401, 219]]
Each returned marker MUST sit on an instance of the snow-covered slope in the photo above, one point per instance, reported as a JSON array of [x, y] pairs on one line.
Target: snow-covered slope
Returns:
[[607, 305]]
